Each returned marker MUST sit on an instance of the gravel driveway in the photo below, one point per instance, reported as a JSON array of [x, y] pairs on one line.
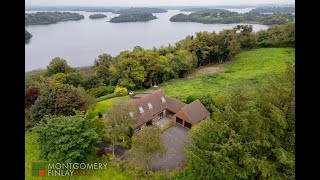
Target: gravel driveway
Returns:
[[174, 140]]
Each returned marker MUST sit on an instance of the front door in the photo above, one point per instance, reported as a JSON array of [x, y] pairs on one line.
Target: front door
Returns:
[[149, 123], [160, 115]]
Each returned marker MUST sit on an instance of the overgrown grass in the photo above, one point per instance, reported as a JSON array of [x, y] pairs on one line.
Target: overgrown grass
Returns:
[[31, 155], [250, 68]]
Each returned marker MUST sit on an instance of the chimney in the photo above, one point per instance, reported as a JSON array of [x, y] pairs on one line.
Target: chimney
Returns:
[[131, 94], [155, 87]]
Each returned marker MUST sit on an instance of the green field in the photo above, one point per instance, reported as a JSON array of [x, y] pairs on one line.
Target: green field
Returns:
[[249, 67]]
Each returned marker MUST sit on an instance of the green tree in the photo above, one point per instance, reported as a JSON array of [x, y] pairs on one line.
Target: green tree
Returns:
[[66, 139], [228, 45], [58, 65], [119, 121], [102, 65], [58, 100], [92, 81], [246, 37], [133, 72], [74, 79], [248, 137], [147, 145]]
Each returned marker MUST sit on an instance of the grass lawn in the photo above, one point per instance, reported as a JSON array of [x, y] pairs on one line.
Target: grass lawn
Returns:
[[249, 67], [102, 106], [31, 152]]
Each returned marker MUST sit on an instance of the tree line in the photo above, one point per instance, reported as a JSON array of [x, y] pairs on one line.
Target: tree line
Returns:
[[97, 16], [274, 10], [141, 68], [217, 16], [50, 17], [135, 17], [140, 10]]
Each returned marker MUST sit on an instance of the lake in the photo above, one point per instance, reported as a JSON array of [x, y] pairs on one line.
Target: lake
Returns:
[[80, 42]]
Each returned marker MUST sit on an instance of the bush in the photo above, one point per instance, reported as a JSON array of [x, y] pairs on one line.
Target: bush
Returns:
[[190, 99], [60, 77], [30, 96], [101, 91], [54, 138], [121, 91]]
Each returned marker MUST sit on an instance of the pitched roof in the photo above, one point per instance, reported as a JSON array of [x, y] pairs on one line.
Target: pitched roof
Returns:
[[154, 98], [174, 105], [195, 111]]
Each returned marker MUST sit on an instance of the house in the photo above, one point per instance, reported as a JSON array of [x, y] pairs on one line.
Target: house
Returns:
[[153, 105]]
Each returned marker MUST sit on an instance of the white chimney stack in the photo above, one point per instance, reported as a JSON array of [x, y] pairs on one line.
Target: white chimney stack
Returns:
[[131, 94]]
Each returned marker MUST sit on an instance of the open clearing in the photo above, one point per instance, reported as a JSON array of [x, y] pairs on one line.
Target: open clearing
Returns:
[[205, 71]]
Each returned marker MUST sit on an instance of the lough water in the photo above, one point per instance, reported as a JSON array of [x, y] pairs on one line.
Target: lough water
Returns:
[[80, 42]]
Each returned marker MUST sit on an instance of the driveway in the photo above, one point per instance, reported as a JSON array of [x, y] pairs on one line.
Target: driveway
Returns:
[[174, 139]]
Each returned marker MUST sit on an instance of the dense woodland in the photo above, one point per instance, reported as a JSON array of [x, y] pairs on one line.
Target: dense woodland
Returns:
[[135, 17], [50, 17], [140, 10], [213, 16], [97, 16], [27, 35], [249, 135]]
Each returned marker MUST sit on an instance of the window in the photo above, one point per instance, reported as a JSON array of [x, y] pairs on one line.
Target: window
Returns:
[[149, 105], [163, 100], [131, 114], [141, 109]]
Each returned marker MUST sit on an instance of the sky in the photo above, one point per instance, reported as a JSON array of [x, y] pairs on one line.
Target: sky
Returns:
[[152, 2]]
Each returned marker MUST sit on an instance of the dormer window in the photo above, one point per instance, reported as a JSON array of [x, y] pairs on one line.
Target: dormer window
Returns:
[[141, 109], [149, 105], [131, 114], [163, 100]]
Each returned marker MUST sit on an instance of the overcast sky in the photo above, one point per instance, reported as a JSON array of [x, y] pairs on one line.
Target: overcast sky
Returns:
[[151, 2]]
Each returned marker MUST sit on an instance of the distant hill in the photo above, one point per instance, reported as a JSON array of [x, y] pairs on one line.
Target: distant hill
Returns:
[[140, 10], [70, 8], [193, 9], [50, 17], [133, 17], [97, 16], [273, 10]]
